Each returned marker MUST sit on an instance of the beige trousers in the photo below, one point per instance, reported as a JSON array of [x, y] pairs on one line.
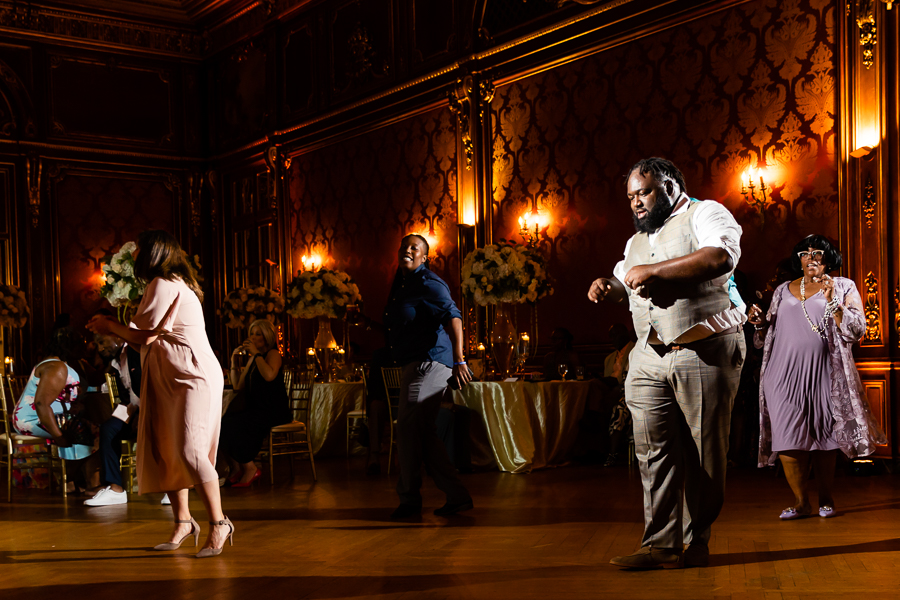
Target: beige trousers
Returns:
[[680, 401]]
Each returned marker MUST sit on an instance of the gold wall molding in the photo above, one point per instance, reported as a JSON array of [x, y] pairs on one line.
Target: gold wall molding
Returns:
[[868, 32], [212, 179], [897, 312], [104, 151], [195, 185], [872, 309], [33, 169], [869, 204], [28, 19], [460, 99]]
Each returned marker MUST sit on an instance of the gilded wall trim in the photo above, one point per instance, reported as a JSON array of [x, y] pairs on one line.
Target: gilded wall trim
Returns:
[[94, 150], [897, 312], [872, 309], [28, 19], [868, 32], [869, 205], [33, 169], [195, 185]]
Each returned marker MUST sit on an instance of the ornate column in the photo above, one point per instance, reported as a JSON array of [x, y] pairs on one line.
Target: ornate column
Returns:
[[867, 155], [470, 101]]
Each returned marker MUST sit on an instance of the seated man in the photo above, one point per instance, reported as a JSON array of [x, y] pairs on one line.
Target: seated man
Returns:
[[125, 363], [615, 368], [561, 353]]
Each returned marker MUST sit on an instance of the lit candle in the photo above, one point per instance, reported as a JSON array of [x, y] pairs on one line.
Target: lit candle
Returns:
[[525, 337]]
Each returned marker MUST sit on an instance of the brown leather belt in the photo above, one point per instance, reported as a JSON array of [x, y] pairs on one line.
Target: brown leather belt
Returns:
[[663, 349]]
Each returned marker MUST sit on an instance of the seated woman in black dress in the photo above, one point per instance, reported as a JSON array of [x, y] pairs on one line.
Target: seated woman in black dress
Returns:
[[263, 406]]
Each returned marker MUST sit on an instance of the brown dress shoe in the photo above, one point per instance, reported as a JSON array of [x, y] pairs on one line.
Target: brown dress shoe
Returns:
[[650, 558], [696, 556]]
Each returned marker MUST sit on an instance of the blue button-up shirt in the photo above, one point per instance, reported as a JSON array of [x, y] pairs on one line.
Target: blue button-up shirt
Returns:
[[418, 308]]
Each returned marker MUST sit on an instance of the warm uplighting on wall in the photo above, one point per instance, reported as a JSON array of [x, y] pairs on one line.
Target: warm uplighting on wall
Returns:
[[101, 276], [867, 138], [531, 224], [311, 262], [431, 237], [466, 210]]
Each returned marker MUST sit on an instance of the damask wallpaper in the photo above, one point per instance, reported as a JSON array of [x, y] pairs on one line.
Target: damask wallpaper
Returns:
[[353, 201], [753, 85], [96, 215]]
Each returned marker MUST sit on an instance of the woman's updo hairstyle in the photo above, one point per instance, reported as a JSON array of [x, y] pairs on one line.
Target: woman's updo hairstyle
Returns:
[[832, 258]]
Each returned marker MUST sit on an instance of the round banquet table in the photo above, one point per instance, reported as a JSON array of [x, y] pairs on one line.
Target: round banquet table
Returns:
[[524, 425]]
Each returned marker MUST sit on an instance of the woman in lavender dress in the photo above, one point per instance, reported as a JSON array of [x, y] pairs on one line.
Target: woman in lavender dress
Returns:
[[810, 395]]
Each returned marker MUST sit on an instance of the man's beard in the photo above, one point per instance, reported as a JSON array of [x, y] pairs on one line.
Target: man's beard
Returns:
[[656, 216]]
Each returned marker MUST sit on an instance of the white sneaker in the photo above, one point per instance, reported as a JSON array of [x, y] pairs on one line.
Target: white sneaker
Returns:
[[165, 500], [107, 497]]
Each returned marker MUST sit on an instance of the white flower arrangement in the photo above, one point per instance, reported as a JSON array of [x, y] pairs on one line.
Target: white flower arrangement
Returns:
[[120, 286], [505, 272], [322, 293], [245, 305], [14, 311]]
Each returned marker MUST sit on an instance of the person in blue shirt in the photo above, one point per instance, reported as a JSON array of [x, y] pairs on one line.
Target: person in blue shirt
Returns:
[[424, 332]]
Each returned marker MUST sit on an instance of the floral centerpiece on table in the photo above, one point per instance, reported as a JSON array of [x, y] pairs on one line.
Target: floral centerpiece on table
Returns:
[[14, 311], [322, 293], [247, 304], [505, 272]]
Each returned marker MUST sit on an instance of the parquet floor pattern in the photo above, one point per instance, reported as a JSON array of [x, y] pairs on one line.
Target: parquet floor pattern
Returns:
[[546, 535]]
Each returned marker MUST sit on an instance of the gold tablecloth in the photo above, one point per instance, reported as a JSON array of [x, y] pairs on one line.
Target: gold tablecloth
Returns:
[[524, 426], [328, 415]]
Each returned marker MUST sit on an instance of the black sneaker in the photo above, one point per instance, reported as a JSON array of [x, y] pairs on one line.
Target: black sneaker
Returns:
[[452, 508], [404, 511]]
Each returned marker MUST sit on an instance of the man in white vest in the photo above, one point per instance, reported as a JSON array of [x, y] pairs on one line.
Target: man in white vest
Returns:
[[686, 365]]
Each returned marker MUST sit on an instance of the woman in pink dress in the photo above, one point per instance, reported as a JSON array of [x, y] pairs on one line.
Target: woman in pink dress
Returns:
[[181, 392]]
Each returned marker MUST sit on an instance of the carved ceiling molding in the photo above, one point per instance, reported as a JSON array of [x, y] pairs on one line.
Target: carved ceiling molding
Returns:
[[16, 17]]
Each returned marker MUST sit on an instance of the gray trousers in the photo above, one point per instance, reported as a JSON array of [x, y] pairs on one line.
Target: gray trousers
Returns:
[[423, 386], [680, 401]]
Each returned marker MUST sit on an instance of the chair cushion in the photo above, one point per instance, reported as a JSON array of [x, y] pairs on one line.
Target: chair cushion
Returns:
[[289, 427], [356, 414], [24, 439]]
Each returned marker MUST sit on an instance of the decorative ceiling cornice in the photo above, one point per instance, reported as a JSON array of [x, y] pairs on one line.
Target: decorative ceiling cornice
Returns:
[[34, 20], [182, 28]]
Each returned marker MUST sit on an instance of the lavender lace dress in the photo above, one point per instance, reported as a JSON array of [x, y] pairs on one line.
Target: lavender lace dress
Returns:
[[826, 407]]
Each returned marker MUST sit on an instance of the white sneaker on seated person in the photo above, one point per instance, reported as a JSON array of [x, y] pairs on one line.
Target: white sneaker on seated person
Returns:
[[107, 497], [165, 500]]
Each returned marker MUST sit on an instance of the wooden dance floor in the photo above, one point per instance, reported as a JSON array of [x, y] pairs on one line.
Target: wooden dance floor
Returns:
[[546, 535]]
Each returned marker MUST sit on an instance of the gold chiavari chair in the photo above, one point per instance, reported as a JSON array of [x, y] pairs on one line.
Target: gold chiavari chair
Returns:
[[11, 442], [392, 377], [128, 458], [293, 438], [357, 419]]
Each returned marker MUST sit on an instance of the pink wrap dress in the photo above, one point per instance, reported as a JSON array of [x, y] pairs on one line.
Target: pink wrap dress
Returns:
[[181, 392]]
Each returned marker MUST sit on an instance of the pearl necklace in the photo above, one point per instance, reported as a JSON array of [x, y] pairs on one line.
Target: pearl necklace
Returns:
[[820, 328]]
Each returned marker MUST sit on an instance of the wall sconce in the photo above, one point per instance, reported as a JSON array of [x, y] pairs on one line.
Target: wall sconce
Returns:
[[531, 224], [754, 195], [311, 262]]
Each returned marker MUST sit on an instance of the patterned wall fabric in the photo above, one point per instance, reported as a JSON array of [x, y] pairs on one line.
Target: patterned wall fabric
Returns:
[[96, 216], [354, 200], [750, 85]]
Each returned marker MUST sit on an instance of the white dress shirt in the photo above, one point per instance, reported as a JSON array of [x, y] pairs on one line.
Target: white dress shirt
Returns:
[[120, 364], [714, 227]]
